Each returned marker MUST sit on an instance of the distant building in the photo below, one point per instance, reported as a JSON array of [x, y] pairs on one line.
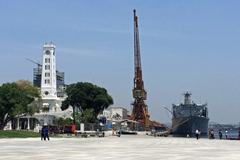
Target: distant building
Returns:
[[107, 114], [37, 76], [115, 113]]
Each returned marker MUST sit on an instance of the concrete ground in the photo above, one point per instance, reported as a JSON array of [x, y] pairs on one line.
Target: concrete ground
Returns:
[[124, 147]]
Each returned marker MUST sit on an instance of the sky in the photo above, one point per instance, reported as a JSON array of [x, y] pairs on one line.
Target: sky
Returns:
[[185, 46]]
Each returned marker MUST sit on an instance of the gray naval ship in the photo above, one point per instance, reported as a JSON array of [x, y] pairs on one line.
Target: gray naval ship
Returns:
[[189, 117]]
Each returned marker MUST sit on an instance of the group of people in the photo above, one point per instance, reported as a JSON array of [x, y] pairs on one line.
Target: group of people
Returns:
[[211, 134], [44, 133], [220, 134]]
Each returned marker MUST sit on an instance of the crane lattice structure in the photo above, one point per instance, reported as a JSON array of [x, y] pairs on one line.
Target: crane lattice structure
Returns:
[[140, 109]]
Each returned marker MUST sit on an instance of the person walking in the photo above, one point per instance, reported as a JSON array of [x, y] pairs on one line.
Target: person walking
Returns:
[[226, 134], [45, 131], [197, 134], [42, 133], [220, 134], [212, 134]]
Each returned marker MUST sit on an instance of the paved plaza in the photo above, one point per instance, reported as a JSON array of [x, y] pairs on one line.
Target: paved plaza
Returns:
[[124, 148]]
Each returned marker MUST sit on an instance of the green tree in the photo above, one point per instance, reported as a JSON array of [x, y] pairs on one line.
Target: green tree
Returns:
[[87, 98], [88, 116], [16, 99], [63, 122]]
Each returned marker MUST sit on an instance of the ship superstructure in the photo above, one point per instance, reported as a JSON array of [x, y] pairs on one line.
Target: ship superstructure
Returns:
[[189, 117]]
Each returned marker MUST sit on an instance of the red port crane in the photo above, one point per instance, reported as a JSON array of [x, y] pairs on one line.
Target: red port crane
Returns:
[[140, 109]]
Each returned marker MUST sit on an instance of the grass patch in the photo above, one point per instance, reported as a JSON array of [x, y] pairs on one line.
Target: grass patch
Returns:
[[18, 134]]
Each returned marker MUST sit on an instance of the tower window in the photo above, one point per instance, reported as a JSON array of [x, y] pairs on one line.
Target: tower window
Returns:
[[47, 74], [47, 81], [47, 60], [47, 67]]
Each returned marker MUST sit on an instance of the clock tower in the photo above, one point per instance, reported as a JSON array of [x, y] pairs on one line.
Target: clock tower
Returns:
[[48, 83], [51, 103]]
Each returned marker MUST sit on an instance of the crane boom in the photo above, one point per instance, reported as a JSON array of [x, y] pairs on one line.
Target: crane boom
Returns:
[[137, 58], [138, 91], [30, 60]]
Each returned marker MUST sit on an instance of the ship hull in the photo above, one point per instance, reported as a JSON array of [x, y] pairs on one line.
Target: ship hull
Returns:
[[184, 126]]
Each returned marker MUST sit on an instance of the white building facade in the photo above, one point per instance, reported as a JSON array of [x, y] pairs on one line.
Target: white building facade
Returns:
[[115, 113]]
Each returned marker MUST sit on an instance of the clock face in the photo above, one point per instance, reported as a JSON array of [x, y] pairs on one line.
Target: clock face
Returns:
[[46, 93], [47, 52]]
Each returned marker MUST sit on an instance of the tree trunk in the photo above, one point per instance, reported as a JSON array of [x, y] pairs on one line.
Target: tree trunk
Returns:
[[74, 116], [1, 126], [4, 121]]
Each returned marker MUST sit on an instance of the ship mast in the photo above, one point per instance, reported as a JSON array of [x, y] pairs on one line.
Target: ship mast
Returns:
[[140, 109], [187, 98]]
